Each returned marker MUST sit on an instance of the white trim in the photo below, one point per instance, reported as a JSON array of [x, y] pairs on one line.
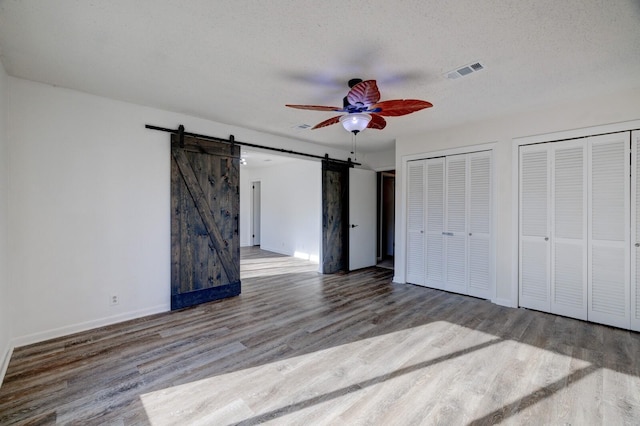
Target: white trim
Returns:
[[503, 302], [623, 126], [5, 362], [85, 326], [490, 146]]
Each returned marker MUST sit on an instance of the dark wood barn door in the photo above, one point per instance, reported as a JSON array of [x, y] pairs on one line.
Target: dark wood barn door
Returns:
[[205, 199]]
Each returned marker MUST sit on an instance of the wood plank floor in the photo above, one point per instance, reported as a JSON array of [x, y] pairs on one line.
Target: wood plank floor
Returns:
[[301, 348]]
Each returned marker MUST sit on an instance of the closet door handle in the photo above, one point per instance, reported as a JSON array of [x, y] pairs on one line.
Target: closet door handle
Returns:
[[546, 238], [637, 244]]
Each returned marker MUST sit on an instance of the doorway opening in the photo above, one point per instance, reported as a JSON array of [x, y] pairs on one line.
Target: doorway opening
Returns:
[[386, 218]]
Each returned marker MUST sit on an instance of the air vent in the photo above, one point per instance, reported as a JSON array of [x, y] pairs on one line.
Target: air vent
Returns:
[[464, 70], [301, 126]]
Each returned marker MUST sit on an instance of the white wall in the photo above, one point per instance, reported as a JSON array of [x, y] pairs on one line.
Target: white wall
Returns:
[[291, 207], [5, 296], [590, 112], [89, 206]]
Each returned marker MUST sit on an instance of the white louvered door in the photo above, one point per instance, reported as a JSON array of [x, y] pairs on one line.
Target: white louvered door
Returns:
[[534, 253], [577, 203], [479, 201], [569, 229], [609, 230], [416, 222], [456, 224], [635, 229], [435, 208], [449, 223]]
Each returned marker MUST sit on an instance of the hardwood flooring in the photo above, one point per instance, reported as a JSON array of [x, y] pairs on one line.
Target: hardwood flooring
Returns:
[[298, 347]]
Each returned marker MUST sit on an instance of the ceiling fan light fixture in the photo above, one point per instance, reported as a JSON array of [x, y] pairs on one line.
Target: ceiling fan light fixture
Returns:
[[355, 122]]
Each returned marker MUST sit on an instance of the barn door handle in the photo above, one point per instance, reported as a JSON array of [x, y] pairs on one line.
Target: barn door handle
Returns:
[[236, 231]]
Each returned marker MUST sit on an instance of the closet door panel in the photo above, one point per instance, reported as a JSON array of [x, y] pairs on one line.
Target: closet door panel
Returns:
[[415, 222], [569, 229], [635, 229], [609, 230], [456, 224], [534, 272], [480, 203], [435, 208]]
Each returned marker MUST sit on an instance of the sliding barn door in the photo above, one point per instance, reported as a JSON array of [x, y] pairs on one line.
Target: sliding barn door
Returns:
[[205, 249]]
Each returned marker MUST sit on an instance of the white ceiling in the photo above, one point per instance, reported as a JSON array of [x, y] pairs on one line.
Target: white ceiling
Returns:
[[239, 61]]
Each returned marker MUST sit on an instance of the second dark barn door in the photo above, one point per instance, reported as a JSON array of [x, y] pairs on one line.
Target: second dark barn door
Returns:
[[205, 247]]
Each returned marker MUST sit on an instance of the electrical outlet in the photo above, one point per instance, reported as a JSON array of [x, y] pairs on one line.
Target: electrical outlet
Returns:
[[115, 300]]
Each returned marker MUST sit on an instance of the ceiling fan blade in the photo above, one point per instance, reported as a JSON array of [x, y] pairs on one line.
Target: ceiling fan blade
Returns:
[[329, 122], [377, 122], [315, 107], [397, 107], [365, 92]]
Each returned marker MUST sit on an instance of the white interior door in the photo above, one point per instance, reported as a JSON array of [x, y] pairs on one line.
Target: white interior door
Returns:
[[456, 224], [479, 244], [362, 218], [569, 229], [635, 229], [415, 222], [435, 223], [534, 253], [255, 214], [609, 230]]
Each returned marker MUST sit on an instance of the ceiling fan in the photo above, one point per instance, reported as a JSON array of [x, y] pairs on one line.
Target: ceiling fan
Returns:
[[364, 109]]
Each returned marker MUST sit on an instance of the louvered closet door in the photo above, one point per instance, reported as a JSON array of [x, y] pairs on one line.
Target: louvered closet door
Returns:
[[635, 227], [456, 224], [435, 240], [415, 222], [569, 229], [534, 272], [609, 230], [480, 273]]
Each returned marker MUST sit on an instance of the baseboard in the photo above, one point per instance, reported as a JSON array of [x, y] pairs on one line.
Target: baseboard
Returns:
[[275, 250], [398, 280], [84, 326], [503, 302], [5, 361]]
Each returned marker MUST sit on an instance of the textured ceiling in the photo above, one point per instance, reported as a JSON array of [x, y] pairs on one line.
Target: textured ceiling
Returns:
[[240, 62]]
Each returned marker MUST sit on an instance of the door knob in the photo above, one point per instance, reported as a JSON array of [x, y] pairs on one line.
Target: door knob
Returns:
[[637, 244], [353, 226], [546, 238]]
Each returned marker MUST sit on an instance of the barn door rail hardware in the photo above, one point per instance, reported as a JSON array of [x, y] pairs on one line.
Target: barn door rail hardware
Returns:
[[232, 141]]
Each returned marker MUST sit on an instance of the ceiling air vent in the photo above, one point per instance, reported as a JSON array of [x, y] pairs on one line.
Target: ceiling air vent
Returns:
[[464, 70]]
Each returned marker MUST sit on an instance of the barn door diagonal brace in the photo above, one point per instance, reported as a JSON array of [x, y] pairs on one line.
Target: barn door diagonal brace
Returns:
[[201, 204]]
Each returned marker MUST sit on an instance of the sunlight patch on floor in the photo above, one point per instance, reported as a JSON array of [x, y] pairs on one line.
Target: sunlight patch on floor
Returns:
[[359, 377]]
